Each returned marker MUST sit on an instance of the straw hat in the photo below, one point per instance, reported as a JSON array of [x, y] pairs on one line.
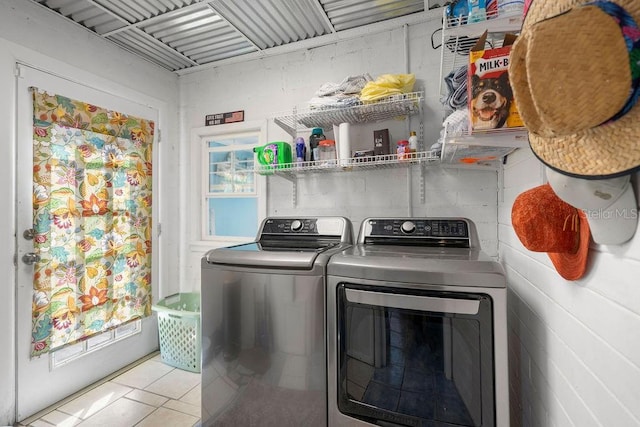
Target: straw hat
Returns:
[[575, 75], [544, 223]]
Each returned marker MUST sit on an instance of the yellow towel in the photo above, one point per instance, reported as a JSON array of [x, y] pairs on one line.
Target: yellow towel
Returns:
[[387, 85]]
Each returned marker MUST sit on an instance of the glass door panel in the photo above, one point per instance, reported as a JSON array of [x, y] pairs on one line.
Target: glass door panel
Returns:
[[415, 358]]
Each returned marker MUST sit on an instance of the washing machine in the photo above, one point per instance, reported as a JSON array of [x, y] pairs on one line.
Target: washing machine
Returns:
[[417, 327], [264, 326]]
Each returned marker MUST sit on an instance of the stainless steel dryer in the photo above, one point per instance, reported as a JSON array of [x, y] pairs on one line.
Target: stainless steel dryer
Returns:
[[263, 324], [417, 327]]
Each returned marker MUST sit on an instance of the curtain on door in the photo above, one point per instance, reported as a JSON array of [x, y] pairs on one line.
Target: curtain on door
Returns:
[[92, 220]]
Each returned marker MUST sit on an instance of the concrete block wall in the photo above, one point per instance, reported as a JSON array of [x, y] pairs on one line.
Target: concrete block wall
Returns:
[[385, 192], [574, 353], [272, 86]]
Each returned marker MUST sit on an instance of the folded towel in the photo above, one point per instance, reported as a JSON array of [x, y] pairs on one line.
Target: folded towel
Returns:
[[456, 81], [334, 101], [349, 85], [457, 123]]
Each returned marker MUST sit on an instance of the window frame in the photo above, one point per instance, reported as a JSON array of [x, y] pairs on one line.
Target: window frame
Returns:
[[200, 177], [206, 151]]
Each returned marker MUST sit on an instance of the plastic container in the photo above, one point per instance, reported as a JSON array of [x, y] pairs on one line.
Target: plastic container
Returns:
[[301, 151], [477, 11], [327, 151], [492, 9], [179, 330], [344, 143], [508, 7], [413, 141], [273, 155], [402, 149], [314, 144]]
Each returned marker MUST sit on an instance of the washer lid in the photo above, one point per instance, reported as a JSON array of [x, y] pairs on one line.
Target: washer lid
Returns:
[[272, 254], [418, 265], [288, 243]]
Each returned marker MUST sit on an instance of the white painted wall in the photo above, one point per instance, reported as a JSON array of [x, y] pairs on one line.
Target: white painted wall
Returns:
[[573, 346], [40, 38], [269, 86]]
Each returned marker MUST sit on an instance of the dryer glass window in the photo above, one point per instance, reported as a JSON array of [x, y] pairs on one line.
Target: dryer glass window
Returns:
[[415, 357]]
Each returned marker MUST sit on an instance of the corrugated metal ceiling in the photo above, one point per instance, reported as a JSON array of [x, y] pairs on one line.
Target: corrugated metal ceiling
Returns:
[[181, 34]]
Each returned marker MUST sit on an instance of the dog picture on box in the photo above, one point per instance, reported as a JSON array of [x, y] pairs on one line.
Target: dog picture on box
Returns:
[[490, 101], [490, 97]]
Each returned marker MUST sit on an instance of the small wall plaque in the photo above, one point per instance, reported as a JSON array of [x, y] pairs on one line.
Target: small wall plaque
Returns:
[[222, 118]]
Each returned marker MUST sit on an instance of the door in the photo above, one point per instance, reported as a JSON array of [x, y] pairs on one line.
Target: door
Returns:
[[46, 379]]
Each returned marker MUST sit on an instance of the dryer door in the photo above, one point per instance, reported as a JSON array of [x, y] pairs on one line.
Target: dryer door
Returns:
[[415, 357]]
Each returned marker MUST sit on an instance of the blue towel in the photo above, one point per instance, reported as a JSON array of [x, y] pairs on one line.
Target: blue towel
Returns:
[[456, 82]]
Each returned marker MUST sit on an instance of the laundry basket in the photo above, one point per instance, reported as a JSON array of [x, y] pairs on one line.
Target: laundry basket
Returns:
[[179, 330]]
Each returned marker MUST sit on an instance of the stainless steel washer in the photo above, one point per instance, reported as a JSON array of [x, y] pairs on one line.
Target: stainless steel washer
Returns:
[[263, 324], [417, 327]]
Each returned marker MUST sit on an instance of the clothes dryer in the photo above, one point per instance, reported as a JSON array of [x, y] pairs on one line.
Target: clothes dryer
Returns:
[[417, 327]]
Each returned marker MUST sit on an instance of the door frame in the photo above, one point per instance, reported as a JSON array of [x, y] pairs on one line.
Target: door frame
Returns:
[[29, 397]]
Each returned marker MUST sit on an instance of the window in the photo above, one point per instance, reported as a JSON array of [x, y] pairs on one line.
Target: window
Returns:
[[232, 198], [72, 352]]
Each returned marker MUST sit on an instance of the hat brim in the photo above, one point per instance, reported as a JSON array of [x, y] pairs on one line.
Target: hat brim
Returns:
[[571, 266], [617, 223], [605, 151], [612, 219]]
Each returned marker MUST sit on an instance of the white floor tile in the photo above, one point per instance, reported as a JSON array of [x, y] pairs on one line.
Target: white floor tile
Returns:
[[121, 402], [193, 397], [146, 397], [167, 417], [121, 413], [94, 400], [217, 395], [175, 384], [181, 406], [61, 419], [144, 374]]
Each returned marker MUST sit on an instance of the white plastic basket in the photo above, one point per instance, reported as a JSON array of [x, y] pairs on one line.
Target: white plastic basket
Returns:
[[179, 330]]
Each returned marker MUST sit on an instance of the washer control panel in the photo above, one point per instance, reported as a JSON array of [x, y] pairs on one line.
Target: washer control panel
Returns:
[[306, 227], [443, 232], [290, 225]]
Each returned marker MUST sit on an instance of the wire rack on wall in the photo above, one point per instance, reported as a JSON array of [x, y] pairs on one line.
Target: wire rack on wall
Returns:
[[459, 37], [405, 104], [292, 170]]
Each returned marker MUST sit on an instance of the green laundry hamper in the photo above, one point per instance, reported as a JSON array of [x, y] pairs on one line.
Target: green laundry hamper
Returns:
[[179, 330]]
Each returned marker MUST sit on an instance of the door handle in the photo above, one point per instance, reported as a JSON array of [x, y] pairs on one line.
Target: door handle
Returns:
[[30, 258], [413, 302], [29, 234]]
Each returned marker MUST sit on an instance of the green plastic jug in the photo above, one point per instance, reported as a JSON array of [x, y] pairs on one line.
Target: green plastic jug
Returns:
[[274, 155]]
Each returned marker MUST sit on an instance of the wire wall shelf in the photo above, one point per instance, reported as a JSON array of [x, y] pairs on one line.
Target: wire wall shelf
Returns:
[[292, 171], [401, 105], [498, 23], [459, 37]]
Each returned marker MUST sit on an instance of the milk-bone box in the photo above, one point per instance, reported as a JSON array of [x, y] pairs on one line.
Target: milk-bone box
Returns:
[[491, 104]]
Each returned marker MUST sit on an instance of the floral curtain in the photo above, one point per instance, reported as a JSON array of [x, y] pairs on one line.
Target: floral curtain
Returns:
[[92, 220]]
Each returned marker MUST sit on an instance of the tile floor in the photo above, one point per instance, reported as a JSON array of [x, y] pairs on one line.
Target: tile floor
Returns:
[[148, 395]]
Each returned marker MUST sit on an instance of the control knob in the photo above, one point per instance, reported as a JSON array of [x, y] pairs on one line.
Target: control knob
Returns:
[[408, 227], [296, 225]]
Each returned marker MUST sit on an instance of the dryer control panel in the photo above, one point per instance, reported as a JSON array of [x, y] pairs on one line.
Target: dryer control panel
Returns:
[[445, 232]]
